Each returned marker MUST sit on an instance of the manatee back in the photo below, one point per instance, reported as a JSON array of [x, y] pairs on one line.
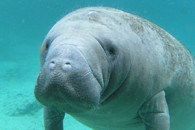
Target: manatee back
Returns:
[[170, 60]]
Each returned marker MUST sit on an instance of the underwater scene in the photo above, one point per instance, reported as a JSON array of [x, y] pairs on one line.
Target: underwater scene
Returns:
[[24, 25]]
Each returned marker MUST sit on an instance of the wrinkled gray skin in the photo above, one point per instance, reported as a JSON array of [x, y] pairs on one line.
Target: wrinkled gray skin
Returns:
[[113, 70]]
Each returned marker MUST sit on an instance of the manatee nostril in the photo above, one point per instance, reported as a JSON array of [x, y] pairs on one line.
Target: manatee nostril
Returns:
[[66, 66], [52, 65], [67, 63]]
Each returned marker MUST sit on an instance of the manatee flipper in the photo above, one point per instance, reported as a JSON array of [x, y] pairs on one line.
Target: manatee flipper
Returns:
[[155, 114], [53, 119]]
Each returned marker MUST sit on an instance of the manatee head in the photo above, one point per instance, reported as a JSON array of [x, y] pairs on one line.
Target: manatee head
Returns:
[[82, 64], [74, 72]]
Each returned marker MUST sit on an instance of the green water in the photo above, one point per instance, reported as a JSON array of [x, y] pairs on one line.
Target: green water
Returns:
[[23, 26]]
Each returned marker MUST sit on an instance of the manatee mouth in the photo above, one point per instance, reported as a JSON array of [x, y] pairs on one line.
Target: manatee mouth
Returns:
[[74, 92]]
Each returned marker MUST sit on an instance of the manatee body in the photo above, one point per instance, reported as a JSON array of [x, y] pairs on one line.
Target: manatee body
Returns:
[[113, 70]]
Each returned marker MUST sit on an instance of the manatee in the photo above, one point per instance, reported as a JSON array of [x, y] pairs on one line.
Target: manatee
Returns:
[[112, 70]]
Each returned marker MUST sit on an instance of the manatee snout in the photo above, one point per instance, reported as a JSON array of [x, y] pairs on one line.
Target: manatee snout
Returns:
[[66, 78], [64, 66]]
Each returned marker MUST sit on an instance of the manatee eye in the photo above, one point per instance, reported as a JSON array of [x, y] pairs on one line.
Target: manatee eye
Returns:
[[47, 46], [111, 51], [109, 48], [44, 50]]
